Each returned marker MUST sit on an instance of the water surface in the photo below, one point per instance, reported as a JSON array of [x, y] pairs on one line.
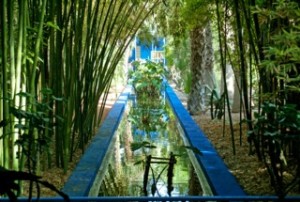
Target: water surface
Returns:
[[144, 132]]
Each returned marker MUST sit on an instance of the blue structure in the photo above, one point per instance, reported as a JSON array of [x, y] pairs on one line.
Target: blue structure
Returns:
[[154, 51]]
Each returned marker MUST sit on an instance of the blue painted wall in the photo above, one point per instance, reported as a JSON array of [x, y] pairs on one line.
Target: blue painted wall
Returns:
[[142, 51]]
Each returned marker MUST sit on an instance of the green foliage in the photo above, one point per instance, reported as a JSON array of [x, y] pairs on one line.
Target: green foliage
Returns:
[[146, 36], [187, 82], [277, 121], [172, 21], [137, 145], [149, 114], [278, 128], [31, 122], [38, 121], [216, 104], [197, 12], [147, 79], [282, 55], [72, 48], [148, 119], [177, 57]]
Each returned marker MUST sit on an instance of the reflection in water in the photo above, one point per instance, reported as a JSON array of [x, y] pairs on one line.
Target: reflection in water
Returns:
[[135, 141]]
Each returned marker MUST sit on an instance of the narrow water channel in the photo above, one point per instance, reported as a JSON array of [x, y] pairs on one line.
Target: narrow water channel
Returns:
[[145, 132]]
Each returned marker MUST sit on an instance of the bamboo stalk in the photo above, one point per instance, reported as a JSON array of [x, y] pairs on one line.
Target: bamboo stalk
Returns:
[[223, 66], [244, 76], [57, 83], [5, 112], [82, 57], [16, 78]]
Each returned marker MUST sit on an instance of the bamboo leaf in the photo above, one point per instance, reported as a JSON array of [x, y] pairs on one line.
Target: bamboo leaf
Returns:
[[194, 149], [25, 94], [282, 157], [3, 123], [53, 25], [21, 126], [150, 146], [139, 162], [57, 98]]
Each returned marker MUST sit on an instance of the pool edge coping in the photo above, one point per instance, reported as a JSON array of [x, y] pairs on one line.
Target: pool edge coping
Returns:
[[82, 179], [221, 180]]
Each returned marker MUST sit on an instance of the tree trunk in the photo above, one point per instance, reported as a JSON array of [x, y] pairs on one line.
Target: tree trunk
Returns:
[[201, 68], [209, 77]]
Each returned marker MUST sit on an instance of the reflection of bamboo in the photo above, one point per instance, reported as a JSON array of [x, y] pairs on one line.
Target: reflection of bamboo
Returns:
[[117, 155], [148, 161], [194, 184], [104, 187], [170, 174], [128, 141], [111, 177]]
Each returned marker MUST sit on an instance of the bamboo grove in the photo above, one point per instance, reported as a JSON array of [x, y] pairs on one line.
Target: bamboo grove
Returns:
[[57, 60], [260, 39]]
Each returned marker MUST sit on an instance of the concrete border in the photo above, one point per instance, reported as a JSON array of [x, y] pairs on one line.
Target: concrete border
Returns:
[[86, 178], [221, 181]]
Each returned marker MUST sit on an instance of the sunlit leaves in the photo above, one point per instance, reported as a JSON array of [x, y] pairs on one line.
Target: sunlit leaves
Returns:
[[197, 12], [147, 78], [53, 25], [35, 118], [282, 52]]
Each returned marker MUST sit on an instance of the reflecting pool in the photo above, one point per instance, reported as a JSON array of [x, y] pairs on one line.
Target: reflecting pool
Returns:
[[149, 156]]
